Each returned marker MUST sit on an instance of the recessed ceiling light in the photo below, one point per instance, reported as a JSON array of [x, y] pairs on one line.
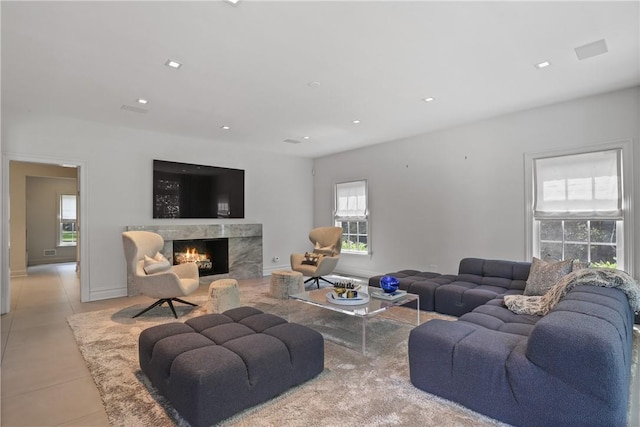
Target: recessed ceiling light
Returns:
[[542, 64], [142, 101], [225, 127], [313, 84], [232, 1], [173, 64], [355, 122], [429, 99], [306, 137]]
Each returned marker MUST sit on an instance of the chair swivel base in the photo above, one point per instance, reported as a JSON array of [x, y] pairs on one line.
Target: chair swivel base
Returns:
[[168, 301], [316, 280]]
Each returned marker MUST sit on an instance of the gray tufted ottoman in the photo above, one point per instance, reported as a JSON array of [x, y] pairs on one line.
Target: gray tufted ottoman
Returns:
[[214, 366]]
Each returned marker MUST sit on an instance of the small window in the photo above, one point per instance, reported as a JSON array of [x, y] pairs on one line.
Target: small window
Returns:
[[352, 214], [67, 229]]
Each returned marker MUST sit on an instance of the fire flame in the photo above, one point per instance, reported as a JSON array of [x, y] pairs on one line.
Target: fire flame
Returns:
[[190, 255]]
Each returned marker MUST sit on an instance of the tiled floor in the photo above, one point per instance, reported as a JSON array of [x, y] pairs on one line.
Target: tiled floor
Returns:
[[45, 381]]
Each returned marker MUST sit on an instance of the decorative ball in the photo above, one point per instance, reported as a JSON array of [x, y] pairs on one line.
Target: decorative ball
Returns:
[[389, 284]]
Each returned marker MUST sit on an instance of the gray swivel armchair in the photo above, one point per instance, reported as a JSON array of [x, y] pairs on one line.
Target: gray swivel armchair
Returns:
[[166, 283], [327, 243]]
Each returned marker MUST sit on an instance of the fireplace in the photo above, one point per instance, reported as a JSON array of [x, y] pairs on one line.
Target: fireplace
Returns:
[[211, 255], [244, 252]]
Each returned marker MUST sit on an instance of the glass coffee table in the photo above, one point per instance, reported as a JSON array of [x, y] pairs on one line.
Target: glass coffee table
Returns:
[[370, 306]]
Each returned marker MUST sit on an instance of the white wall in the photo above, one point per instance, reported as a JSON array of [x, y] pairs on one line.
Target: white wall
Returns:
[[118, 163], [434, 198], [43, 195], [439, 197]]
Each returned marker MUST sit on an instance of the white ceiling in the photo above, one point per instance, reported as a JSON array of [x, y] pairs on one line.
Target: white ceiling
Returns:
[[249, 66]]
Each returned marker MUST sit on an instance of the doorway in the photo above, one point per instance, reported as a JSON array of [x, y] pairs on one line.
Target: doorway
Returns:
[[51, 219], [15, 170]]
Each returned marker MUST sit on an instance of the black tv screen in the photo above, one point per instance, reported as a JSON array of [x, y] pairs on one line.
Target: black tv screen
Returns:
[[182, 190]]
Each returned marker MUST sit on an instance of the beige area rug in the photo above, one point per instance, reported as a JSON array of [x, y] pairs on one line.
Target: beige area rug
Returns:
[[353, 390]]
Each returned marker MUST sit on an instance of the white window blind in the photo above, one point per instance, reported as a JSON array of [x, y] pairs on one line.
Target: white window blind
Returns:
[[351, 200], [68, 207], [578, 186]]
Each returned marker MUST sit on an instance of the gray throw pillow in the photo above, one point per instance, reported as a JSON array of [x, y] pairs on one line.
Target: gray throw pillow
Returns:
[[543, 275]]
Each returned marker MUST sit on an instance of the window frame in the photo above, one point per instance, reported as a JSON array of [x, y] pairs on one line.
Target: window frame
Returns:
[[589, 243], [365, 218], [625, 238], [61, 220]]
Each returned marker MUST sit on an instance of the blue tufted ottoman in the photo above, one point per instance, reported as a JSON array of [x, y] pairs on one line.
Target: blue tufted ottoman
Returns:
[[214, 366]]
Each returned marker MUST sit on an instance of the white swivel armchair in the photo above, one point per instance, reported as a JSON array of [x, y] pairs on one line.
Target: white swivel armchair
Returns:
[[327, 243], [165, 282]]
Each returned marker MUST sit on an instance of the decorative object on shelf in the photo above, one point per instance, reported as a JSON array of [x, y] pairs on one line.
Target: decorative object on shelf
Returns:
[[347, 297], [346, 285], [389, 284]]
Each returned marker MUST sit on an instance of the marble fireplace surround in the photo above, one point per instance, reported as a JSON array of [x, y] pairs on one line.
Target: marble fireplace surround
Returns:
[[245, 244]]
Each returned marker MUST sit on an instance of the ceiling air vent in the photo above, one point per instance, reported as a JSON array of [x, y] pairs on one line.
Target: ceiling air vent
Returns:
[[591, 49], [292, 141], [134, 109]]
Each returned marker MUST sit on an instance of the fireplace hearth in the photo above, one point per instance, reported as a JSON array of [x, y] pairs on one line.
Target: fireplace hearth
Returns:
[[211, 255]]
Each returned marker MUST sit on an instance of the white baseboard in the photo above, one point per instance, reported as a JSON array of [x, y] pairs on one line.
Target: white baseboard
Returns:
[[362, 274], [107, 294], [18, 273]]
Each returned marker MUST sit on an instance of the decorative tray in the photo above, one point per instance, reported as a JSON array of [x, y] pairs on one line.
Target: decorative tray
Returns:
[[334, 298], [389, 297]]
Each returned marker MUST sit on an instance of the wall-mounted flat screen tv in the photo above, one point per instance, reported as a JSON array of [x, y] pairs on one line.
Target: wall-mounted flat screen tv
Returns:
[[182, 190]]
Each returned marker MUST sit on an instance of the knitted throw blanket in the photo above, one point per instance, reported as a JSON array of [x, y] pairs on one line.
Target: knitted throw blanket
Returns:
[[605, 277]]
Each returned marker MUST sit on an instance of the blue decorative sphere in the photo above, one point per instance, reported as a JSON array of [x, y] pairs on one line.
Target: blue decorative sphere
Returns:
[[389, 284]]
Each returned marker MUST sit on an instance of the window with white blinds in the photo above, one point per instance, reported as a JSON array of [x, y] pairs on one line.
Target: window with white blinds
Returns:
[[352, 214], [578, 186], [579, 205], [67, 220]]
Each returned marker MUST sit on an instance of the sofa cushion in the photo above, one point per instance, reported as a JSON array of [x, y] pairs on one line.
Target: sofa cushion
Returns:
[[545, 274], [465, 362], [488, 271], [499, 318], [479, 281]]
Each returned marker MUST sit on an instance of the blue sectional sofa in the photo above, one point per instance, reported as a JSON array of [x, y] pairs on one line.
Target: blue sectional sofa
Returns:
[[478, 281], [570, 367]]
